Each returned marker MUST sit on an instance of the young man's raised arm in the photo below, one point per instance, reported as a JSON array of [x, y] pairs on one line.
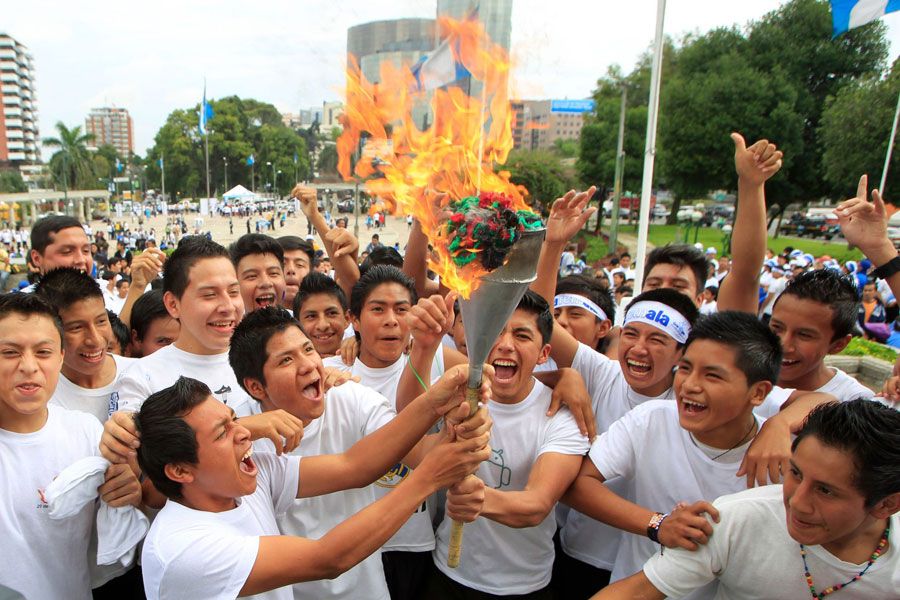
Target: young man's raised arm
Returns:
[[284, 560], [372, 456], [415, 261], [636, 587], [754, 165], [550, 475]]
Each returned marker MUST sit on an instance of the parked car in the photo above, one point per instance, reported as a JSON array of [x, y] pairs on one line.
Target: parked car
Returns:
[[345, 206]]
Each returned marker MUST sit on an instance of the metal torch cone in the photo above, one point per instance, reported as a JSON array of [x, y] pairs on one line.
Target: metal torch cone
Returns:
[[484, 315]]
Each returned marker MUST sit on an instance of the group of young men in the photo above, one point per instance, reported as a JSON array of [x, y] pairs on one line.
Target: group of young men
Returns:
[[292, 433]]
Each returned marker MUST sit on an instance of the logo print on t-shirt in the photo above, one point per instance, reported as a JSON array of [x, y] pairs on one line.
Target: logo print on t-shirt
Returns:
[[505, 473], [223, 392], [392, 478], [43, 500]]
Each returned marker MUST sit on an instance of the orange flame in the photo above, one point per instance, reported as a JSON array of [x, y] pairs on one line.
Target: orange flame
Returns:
[[422, 171]]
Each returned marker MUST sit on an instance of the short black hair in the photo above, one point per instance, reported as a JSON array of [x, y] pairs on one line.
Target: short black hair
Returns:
[[714, 290], [757, 349], [382, 255], [43, 231], [120, 330], [867, 430], [165, 436], [247, 353], [27, 305], [65, 286], [680, 255], [146, 309], [374, 277], [671, 298], [535, 304], [293, 242], [190, 250], [318, 283], [255, 243], [833, 289], [123, 279], [590, 289]]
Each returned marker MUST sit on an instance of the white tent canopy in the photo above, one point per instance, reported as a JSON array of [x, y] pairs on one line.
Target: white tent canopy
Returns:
[[239, 192]]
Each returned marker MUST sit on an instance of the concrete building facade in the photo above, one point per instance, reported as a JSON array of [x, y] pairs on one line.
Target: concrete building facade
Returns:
[[111, 126], [19, 137], [536, 126]]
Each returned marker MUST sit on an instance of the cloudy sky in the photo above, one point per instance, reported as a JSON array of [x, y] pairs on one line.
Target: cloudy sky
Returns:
[[151, 57]]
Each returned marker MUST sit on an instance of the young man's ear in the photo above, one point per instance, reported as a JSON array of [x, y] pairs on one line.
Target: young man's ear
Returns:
[[886, 507], [179, 472], [171, 304], [839, 344], [759, 391], [543, 355], [255, 388]]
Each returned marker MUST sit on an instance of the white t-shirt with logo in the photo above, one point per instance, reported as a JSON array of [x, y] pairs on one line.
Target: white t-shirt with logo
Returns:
[[100, 402], [163, 368], [417, 534], [663, 465], [582, 537], [754, 558], [774, 290], [503, 560], [44, 558], [198, 554], [352, 412], [842, 386]]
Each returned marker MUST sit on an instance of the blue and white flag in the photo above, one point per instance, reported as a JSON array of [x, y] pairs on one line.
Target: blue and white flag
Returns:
[[250, 161], [847, 14], [161, 162], [206, 113], [438, 69], [119, 166]]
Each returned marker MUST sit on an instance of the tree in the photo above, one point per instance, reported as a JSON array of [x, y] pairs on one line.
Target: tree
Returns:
[[542, 174], [240, 127], [855, 131], [565, 148], [328, 159], [716, 90], [796, 38], [71, 164], [11, 182]]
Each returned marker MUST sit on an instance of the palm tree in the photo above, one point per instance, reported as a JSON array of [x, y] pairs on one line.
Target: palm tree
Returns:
[[71, 162]]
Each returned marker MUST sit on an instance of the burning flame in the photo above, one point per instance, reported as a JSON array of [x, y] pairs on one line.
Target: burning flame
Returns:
[[420, 172]]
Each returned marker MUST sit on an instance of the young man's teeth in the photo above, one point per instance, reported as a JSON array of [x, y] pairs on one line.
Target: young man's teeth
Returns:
[[92, 354], [694, 404], [504, 363], [637, 364], [222, 323], [248, 454]]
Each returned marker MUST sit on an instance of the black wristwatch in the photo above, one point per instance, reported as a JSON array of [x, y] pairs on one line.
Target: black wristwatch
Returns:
[[887, 269]]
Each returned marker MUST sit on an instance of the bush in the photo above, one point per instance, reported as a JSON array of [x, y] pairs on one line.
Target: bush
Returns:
[[862, 347]]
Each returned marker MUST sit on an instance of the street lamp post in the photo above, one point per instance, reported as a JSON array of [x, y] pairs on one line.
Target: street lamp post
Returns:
[[275, 184], [274, 179], [269, 164], [225, 158]]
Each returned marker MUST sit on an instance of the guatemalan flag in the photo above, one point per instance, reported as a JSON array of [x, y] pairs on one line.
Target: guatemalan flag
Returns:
[[251, 161], [206, 113], [847, 14], [439, 69]]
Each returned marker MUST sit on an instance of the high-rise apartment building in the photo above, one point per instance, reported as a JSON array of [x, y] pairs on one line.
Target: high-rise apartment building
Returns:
[[18, 119], [111, 126], [539, 123]]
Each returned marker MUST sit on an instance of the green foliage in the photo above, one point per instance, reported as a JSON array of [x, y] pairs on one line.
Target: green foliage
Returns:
[[855, 132], [328, 160], [542, 174], [72, 165], [11, 182], [240, 127], [565, 148], [862, 347]]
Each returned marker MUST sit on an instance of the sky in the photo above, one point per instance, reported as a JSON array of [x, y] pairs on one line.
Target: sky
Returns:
[[152, 57]]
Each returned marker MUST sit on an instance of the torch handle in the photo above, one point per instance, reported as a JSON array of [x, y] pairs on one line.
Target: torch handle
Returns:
[[456, 529]]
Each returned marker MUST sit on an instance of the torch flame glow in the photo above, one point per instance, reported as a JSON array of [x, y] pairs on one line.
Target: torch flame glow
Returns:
[[453, 158]]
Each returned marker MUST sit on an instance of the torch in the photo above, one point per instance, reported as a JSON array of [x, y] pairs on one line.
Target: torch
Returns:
[[484, 314]]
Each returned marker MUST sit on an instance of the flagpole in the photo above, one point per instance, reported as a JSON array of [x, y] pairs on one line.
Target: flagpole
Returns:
[[206, 145], [890, 148], [650, 146], [162, 168]]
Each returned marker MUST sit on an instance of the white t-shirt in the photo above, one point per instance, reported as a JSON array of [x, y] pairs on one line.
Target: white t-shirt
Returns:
[[163, 368], [775, 288], [417, 534], [709, 308], [663, 465], [503, 560], [100, 402], [44, 558], [352, 412], [582, 537], [754, 558], [198, 554], [841, 386]]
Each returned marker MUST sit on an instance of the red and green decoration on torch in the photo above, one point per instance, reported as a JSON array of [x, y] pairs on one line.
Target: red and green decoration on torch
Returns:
[[485, 227]]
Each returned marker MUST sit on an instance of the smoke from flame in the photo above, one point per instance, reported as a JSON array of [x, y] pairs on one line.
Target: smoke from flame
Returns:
[[417, 171]]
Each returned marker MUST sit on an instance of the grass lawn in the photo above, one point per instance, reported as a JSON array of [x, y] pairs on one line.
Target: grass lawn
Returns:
[[660, 235]]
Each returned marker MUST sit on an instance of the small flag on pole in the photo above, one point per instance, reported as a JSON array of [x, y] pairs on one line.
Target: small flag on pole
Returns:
[[206, 113], [250, 161], [295, 158], [847, 14], [160, 162], [119, 166]]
